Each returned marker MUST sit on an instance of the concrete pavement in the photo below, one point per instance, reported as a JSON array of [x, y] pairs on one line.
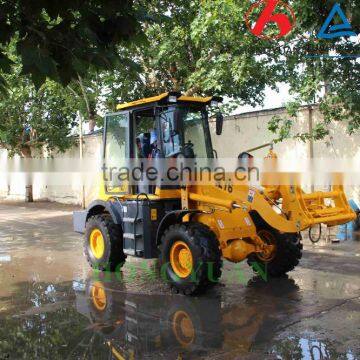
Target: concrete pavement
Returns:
[[53, 305]]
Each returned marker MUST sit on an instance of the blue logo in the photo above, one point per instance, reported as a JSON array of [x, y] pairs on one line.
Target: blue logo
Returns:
[[329, 31]]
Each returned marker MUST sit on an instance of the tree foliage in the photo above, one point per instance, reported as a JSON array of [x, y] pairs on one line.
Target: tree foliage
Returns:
[[199, 47], [35, 119], [61, 39], [206, 48], [321, 71]]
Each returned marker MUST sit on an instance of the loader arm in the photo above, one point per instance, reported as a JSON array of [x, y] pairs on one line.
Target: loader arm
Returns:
[[285, 208], [299, 210]]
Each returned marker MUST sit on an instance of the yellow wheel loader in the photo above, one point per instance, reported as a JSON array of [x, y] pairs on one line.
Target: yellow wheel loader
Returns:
[[190, 226]]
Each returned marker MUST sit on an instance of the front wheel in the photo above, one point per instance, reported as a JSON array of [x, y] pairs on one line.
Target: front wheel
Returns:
[[103, 244], [284, 258], [190, 258]]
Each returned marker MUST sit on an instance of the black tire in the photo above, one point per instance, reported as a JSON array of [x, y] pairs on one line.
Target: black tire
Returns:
[[357, 221], [315, 238], [206, 256], [287, 256], [113, 258]]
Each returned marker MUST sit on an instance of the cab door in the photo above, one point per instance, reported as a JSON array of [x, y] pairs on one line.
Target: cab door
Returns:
[[116, 154]]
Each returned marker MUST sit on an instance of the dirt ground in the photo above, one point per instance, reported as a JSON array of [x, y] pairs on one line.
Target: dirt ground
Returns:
[[53, 306]]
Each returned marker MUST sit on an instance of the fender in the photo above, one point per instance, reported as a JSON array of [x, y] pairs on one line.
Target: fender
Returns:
[[97, 207], [173, 217], [114, 208]]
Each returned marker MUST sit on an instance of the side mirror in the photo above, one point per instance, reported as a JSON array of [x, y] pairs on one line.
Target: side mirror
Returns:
[[219, 123]]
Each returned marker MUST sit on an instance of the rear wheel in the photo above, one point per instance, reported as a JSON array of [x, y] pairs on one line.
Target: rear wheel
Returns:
[[190, 258], [285, 257], [103, 244]]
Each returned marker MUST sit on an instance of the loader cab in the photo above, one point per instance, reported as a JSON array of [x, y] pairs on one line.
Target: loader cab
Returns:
[[163, 127]]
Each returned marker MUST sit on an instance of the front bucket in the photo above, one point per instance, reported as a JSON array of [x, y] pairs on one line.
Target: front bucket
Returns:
[[331, 208]]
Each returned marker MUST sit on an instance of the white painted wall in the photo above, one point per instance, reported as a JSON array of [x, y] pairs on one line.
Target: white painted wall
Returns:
[[240, 133], [12, 186]]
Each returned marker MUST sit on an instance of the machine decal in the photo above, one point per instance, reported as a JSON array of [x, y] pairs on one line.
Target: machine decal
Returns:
[[247, 220], [221, 224], [227, 186], [154, 215]]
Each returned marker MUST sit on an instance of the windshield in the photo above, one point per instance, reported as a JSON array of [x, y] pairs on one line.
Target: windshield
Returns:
[[185, 131]]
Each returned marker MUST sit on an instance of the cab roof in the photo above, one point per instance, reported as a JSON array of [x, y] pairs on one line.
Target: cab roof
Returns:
[[169, 98]]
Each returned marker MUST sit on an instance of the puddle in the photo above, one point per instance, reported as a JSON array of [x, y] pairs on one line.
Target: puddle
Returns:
[[309, 349], [100, 318]]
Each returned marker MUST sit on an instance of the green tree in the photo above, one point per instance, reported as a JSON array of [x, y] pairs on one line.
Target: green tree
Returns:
[[35, 120], [332, 79], [199, 47], [61, 39], [101, 91], [204, 47]]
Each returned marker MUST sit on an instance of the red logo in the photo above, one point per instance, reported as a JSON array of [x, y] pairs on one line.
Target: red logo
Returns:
[[269, 14]]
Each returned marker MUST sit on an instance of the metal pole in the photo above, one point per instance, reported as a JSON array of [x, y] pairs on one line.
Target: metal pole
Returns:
[[81, 149], [311, 142], [260, 147]]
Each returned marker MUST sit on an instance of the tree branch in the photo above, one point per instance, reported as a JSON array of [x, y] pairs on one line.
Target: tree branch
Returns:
[[84, 95]]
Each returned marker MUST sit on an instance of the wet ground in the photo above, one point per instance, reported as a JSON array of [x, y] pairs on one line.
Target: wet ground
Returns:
[[53, 306]]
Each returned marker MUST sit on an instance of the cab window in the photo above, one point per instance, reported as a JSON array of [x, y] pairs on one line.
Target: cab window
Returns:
[[145, 134], [184, 130], [116, 143]]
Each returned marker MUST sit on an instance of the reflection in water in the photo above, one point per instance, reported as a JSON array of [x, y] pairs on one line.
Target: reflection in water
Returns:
[[102, 320], [49, 328], [302, 348]]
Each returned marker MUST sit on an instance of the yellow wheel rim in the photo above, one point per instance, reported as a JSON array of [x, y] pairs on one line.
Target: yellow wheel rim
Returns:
[[98, 295], [181, 259], [183, 328], [97, 244], [269, 239]]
